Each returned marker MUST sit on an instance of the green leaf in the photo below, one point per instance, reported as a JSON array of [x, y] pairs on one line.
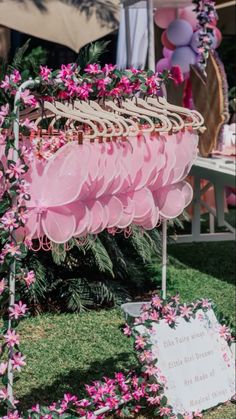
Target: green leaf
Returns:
[[164, 401]]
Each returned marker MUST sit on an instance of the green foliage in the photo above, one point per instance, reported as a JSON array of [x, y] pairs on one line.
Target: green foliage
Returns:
[[104, 272], [91, 53]]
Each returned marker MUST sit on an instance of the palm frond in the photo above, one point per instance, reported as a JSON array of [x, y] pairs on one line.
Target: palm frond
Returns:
[[91, 53], [18, 57], [101, 256]]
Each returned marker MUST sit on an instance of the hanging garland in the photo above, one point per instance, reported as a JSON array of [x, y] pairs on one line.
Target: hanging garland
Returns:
[[206, 16]]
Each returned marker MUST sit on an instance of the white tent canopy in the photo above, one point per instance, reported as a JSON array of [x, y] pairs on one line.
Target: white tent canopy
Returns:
[[59, 21]]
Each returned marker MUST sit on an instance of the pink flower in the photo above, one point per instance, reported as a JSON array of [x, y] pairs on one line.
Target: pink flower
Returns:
[[126, 397], [165, 411], [83, 90], [156, 301], [116, 92], [3, 368], [18, 310], [146, 356], [9, 221], [134, 70], [205, 303], [69, 398], [198, 414], [137, 394], [154, 316], [12, 339], [83, 403], [45, 72], [140, 342], [127, 330], [16, 169], [154, 400], [175, 299], [65, 72], [108, 68], [188, 416], [6, 83], [154, 387], [224, 332], [18, 361], [11, 249], [29, 124], [15, 77], [102, 83], [171, 317], [4, 110], [112, 402], [2, 285], [93, 69], [35, 408], [29, 278], [23, 215], [27, 98], [176, 74], [151, 370], [3, 394], [13, 415], [186, 311]]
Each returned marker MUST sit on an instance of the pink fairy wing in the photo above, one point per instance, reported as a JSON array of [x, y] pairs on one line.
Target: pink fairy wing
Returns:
[[114, 207], [96, 211], [34, 176], [92, 190], [127, 214], [143, 201], [154, 159], [187, 191], [65, 174], [59, 224], [170, 201], [152, 220], [82, 217]]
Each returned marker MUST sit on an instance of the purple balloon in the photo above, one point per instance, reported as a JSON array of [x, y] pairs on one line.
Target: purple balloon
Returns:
[[167, 52], [179, 32], [162, 64], [195, 41], [184, 57]]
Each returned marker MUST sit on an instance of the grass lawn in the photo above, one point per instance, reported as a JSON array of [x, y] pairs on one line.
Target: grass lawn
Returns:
[[66, 351]]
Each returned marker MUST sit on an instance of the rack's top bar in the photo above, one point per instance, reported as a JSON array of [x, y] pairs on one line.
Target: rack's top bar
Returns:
[[156, 3]]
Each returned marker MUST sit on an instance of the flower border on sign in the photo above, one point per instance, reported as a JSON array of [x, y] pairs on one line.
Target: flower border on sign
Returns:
[[168, 310]]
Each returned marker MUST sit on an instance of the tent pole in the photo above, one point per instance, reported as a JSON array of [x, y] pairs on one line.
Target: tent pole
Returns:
[[127, 35], [151, 40], [164, 257]]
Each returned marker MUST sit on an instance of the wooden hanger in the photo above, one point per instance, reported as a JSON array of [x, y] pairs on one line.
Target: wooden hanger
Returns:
[[89, 110], [166, 123], [75, 112], [176, 120], [110, 104], [68, 115], [162, 103]]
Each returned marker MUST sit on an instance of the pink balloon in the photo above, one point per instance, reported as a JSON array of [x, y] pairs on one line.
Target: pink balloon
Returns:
[[218, 36], [167, 43], [179, 32], [183, 57], [189, 15], [163, 17], [167, 52], [163, 64]]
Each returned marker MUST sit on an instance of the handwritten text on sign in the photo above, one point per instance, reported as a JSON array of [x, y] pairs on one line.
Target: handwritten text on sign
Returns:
[[197, 363]]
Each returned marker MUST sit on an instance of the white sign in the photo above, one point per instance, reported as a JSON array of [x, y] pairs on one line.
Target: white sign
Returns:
[[197, 362]]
